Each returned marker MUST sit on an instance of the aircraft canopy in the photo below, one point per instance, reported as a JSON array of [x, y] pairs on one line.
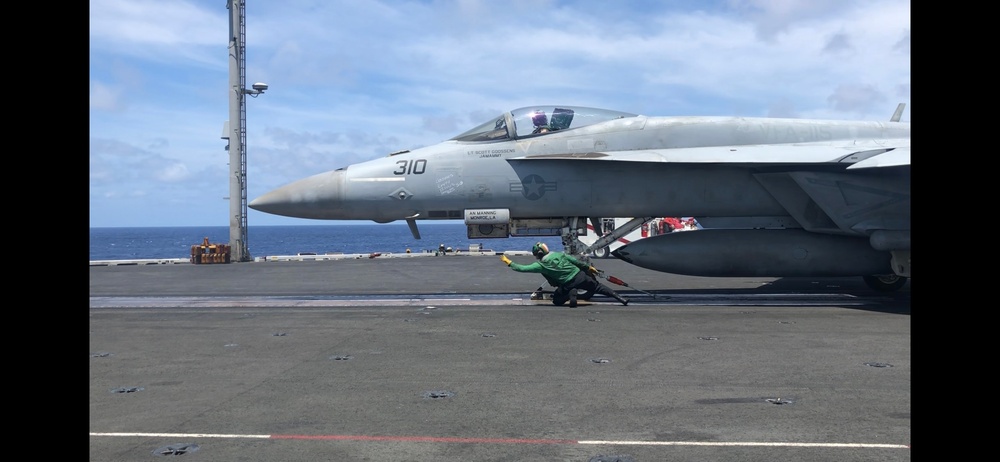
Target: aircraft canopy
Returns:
[[538, 120]]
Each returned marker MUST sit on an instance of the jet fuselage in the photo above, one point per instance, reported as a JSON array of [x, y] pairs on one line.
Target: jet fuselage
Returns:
[[716, 173], [843, 186]]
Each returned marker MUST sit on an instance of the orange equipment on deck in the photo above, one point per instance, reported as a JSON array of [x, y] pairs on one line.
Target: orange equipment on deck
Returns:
[[210, 253]]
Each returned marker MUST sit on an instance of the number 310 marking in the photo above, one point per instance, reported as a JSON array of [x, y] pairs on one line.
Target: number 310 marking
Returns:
[[406, 167]]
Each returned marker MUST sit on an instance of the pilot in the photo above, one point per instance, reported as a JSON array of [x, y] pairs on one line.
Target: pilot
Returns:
[[566, 274], [540, 122]]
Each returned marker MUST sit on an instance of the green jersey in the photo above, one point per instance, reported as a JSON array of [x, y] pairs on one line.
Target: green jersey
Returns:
[[557, 267]]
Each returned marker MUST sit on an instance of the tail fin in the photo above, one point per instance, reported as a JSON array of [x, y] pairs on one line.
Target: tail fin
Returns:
[[899, 113]]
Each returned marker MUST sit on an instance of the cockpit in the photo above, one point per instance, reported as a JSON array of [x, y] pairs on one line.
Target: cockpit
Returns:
[[538, 121]]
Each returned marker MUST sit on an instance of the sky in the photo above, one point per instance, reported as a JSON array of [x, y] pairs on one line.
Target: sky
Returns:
[[353, 80]]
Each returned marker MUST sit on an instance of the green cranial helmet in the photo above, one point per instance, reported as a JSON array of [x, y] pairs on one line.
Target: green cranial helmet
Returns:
[[539, 249]]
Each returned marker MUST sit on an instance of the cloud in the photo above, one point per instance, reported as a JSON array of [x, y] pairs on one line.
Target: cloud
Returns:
[[772, 17], [104, 97], [856, 98]]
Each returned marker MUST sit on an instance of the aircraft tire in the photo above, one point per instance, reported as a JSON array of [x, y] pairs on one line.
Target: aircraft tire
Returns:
[[601, 252], [885, 282]]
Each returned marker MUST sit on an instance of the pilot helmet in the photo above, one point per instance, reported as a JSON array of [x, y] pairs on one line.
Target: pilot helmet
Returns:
[[539, 249], [539, 119]]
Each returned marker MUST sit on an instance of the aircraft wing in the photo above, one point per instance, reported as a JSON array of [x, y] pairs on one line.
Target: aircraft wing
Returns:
[[893, 158], [796, 176], [870, 156]]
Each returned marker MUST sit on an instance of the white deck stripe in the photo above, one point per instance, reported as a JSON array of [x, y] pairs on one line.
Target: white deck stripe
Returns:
[[589, 442]]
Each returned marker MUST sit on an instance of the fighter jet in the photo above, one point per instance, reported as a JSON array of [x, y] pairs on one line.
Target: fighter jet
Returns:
[[777, 197]]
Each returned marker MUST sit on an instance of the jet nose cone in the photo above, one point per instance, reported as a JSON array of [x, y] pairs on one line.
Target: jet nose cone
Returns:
[[272, 202], [319, 196]]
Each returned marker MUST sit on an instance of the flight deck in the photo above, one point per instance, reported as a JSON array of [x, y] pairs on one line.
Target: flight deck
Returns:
[[449, 359]]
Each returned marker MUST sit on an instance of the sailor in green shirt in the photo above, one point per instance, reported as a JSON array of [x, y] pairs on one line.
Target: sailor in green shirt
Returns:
[[566, 274]]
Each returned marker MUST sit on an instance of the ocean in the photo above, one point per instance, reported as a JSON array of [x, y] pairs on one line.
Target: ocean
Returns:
[[176, 242]]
